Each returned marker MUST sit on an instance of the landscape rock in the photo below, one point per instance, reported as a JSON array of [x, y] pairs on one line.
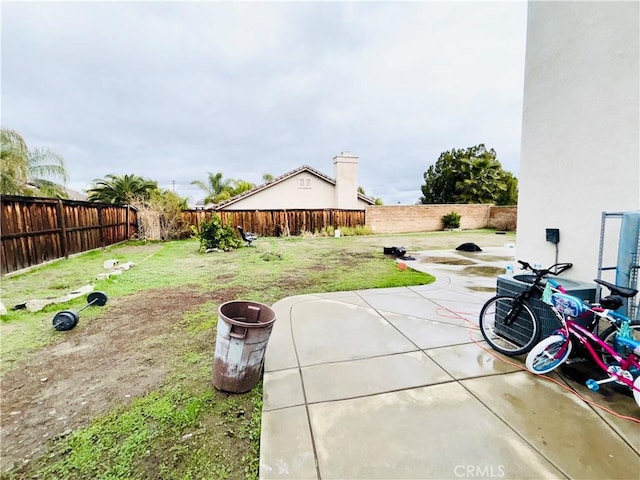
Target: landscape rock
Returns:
[[35, 305], [110, 263]]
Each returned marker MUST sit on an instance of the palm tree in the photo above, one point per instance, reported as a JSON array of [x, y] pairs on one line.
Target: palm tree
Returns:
[[14, 155], [510, 194], [29, 172], [214, 186], [240, 186], [44, 164], [482, 180], [121, 189], [219, 189]]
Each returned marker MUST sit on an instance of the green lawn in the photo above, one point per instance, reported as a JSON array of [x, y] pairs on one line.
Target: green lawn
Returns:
[[181, 427]]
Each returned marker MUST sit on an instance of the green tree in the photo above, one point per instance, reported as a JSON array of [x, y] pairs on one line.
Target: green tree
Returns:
[[29, 172], [213, 187], [480, 180], [218, 189], [267, 177], [377, 200], [240, 186], [13, 154], [121, 189], [509, 196], [471, 175]]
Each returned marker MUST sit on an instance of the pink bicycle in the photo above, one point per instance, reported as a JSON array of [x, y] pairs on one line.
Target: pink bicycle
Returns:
[[617, 354]]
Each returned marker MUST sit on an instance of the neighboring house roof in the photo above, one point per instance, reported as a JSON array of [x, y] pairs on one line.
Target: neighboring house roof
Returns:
[[281, 178], [71, 194], [75, 195]]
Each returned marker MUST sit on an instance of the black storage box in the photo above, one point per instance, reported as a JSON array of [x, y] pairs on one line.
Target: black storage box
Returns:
[[513, 285]]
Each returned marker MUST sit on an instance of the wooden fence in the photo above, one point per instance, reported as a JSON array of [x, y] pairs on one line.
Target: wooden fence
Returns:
[[36, 230], [273, 223]]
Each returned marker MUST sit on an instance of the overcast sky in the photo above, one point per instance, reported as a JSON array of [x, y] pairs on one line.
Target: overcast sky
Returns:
[[173, 90]]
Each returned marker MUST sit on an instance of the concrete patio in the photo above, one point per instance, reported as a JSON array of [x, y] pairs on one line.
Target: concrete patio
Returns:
[[397, 384]]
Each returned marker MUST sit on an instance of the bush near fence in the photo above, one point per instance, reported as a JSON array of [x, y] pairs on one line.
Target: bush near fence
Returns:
[[275, 223]]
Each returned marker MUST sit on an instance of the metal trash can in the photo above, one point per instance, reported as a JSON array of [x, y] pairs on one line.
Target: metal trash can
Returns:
[[513, 285], [244, 328]]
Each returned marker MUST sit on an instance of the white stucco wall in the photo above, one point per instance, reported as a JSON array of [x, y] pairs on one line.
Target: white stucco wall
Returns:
[[580, 132], [345, 168]]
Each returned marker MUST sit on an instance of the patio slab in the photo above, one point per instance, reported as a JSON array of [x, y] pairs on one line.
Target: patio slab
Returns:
[[333, 331], [335, 381], [286, 451], [430, 333], [472, 360], [561, 427], [433, 432], [358, 386]]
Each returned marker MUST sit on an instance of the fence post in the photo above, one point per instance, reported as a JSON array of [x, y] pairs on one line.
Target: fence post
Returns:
[[126, 232], [101, 231], [63, 228]]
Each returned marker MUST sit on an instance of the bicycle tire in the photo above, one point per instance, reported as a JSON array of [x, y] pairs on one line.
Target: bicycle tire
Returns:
[[548, 355], [636, 390], [509, 325], [607, 337]]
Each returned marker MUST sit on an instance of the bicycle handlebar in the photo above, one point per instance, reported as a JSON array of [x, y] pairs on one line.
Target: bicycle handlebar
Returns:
[[555, 269]]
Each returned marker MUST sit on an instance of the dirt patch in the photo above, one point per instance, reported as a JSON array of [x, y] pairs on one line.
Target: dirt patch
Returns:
[[297, 281], [109, 360]]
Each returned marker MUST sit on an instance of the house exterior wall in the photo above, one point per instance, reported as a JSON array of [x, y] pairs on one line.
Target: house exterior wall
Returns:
[[580, 131], [303, 191], [345, 167]]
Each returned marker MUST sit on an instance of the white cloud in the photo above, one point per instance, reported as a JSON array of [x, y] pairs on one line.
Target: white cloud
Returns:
[[171, 90]]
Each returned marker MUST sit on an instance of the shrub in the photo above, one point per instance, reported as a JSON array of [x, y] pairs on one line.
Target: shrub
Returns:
[[327, 231], [451, 220], [160, 216], [212, 234], [508, 225], [357, 230]]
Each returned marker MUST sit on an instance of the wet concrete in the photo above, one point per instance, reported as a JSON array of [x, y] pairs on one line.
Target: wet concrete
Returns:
[[397, 383]]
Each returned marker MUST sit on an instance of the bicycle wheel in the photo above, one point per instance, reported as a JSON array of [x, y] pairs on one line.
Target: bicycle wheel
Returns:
[[636, 390], [548, 354], [509, 325], [608, 336]]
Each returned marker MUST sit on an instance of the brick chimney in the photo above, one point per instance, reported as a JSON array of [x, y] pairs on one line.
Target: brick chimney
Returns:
[[345, 167]]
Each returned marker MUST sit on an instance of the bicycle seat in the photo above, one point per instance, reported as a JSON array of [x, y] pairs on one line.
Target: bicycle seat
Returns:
[[617, 290]]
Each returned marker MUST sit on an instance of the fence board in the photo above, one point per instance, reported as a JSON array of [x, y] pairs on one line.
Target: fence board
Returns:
[[36, 230], [274, 223]]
